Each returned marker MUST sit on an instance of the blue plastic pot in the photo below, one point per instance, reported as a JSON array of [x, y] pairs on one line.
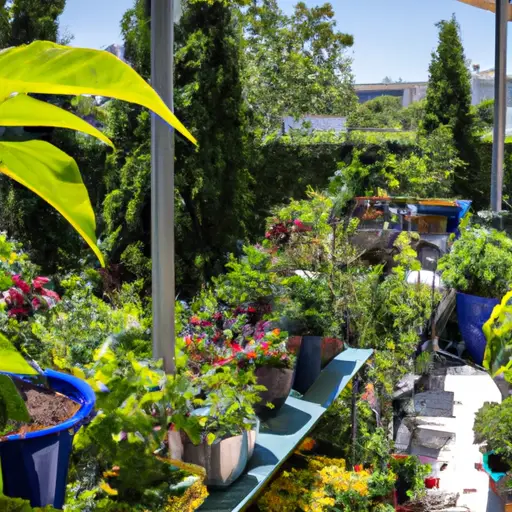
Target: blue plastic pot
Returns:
[[35, 465], [472, 313], [309, 363]]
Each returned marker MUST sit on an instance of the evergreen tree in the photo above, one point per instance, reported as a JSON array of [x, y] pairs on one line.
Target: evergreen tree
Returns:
[[213, 200], [449, 103]]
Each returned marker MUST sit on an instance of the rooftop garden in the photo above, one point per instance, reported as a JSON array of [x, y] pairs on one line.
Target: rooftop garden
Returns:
[[292, 330]]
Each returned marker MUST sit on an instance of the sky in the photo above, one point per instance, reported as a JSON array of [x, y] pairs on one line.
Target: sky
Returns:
[[392, 38]]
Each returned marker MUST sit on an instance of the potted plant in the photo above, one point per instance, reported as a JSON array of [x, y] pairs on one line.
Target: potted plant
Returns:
[[241, 339], [120, 459], [410, 477], [214, 424], [479, 268], [40, 415], [305, 310]]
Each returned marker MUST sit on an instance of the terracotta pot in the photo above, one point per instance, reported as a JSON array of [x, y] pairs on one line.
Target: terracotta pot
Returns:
[[278, 382], [224, 460]]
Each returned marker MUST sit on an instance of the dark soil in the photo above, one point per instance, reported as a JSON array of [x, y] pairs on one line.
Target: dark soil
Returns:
[[46, 407]]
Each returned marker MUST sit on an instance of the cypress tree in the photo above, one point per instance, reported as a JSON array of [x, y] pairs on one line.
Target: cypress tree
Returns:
[[449, 103]]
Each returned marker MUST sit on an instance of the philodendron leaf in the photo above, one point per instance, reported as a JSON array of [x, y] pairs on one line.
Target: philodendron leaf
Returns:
[[55, 177], [11, 360], [23, 110], [14, 405], [49, 68]]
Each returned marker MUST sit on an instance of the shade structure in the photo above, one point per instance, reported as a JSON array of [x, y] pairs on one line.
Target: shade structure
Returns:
[[162, 185], [488, 5], [503, 11]]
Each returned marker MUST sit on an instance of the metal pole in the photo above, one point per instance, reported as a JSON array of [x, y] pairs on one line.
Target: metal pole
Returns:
[[162, 185], [500, 104]]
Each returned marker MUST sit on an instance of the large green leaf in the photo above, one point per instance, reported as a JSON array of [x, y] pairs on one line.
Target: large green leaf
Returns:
[[14, 405], [49, 68], [23, 110], [55, 177], [11, 360]]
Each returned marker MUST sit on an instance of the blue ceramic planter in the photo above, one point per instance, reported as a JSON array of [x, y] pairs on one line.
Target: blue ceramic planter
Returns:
[[309, 363], [472, 313], [35, 465]]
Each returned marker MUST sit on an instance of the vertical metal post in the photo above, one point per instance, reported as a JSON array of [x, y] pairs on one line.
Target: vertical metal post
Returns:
[[500, 104], [162, 185]]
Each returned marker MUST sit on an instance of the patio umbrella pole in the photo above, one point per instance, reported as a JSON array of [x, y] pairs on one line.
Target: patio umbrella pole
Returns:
[[162, 185], [500, 104]]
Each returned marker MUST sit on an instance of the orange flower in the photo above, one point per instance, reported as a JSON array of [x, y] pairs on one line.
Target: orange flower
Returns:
[[276, 332], [252, 355]]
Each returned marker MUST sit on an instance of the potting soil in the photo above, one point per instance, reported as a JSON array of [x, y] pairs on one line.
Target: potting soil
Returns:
[[46, 408]]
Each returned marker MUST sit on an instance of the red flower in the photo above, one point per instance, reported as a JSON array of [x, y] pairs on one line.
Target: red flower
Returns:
[[264, 345], [194, 320], [39, 282], [16, 297], [268, 234], [252, 355], [298, 223], [188, 340], [36, 303], [18, 311], [236, 348], [222, 362], [217, 316], [205, 323], [251, 309], [22, 285]]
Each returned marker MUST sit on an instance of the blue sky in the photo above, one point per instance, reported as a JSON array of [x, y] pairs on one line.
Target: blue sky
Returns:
[[392, 37]]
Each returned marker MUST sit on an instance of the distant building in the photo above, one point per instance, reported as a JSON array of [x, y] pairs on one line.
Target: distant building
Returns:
[[315, 123], [482, 86], [408, 92]]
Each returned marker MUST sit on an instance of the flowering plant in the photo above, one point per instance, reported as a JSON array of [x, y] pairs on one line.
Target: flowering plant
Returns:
[[23, 299], [280, 230], [240, 338]]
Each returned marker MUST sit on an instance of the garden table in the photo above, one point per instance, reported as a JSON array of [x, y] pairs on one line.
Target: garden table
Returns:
[[279, 437]]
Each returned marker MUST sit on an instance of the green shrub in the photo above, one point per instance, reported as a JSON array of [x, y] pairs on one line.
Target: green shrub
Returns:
[[480, 263], [493, 426], [411, 473]]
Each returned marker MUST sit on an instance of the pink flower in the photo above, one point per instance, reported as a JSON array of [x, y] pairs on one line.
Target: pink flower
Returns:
[[236, 347], [217, 316], [205, 323], [36, 303], [268, 234], [194, 320], [264, 345], [22, 285], [51, 294], [298, 223], [39, 282]]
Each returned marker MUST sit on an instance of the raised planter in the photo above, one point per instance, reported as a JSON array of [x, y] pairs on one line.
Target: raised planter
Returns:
[[35, 464], [278, 382], [224, 460], [472, 313], [314, 353]]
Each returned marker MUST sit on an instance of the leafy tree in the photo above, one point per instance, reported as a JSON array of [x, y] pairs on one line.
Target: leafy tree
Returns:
[[449, 103], [380, 112], [387, 112], [24, 21], [484, 116], [296, 64]]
